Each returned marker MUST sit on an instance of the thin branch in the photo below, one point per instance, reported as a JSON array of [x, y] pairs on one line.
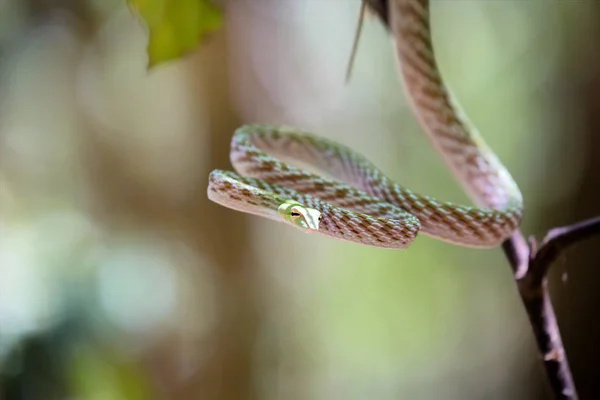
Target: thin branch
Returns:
[[547, 335], [361, 20], [542, 318], [530, 268], [558, 240], [541, 315]]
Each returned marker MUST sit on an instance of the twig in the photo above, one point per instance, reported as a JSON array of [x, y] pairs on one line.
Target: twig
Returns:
[[531, 268], [557, 240], [361, 19]]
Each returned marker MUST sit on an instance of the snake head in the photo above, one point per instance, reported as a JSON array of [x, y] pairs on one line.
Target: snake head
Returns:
[[299, 215]]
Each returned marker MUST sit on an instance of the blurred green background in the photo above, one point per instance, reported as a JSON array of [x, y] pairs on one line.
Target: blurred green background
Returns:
[[120, 280]]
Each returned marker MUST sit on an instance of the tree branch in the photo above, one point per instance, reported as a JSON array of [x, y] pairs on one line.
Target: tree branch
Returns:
[[547, 336], [556, 241], [531, 268]]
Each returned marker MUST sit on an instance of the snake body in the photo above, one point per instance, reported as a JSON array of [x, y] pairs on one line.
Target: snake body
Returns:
[[348, 197]]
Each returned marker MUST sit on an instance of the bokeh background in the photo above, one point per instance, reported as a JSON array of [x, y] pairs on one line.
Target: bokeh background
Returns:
[[120, 280]]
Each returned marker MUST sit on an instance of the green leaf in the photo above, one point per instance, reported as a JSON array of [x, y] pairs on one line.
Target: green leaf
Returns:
[[176, 26]]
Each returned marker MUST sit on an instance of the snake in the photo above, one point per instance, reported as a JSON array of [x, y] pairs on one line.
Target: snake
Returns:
[[320, 186]]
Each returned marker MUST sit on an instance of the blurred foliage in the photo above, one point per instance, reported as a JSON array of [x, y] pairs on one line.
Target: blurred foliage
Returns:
[[176, 26], [97, 374]]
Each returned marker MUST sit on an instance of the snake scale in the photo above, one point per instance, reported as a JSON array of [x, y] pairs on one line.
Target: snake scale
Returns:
[[343, 195]]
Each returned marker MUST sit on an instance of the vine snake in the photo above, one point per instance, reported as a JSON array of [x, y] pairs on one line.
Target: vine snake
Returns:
[[349, 198]]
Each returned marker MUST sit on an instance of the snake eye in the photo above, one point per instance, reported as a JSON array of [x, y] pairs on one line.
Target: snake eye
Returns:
[[299, 215]]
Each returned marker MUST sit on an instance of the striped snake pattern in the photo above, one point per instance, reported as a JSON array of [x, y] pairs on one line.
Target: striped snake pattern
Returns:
[[343, 195]]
